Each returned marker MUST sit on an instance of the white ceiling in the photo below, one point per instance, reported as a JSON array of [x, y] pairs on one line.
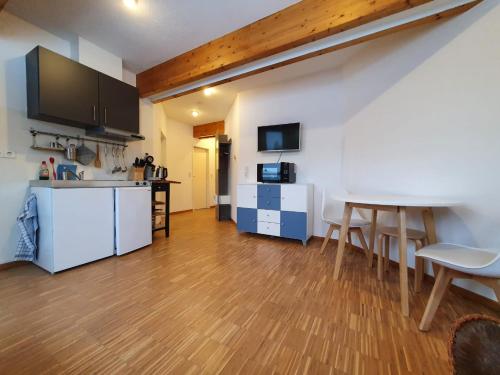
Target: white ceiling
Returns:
[[157, 31]]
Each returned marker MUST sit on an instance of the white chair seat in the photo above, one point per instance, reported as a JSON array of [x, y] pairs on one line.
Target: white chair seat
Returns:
[[355, 223], [471, 260]]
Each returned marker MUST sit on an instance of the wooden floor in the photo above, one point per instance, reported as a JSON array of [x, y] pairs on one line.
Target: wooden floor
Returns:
[[210, 300]]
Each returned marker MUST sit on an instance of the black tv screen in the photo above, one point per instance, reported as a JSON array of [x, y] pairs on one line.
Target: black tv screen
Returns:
[[285, 137]]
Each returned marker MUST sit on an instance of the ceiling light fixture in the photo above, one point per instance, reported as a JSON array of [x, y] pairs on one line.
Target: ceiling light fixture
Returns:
[[131, 4], [195, 113], [209, 91]]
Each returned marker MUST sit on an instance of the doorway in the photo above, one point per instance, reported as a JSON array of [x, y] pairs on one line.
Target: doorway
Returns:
[[200, 178]]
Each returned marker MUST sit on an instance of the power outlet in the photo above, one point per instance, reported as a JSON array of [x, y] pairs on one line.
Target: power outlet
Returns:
[[7, 154]]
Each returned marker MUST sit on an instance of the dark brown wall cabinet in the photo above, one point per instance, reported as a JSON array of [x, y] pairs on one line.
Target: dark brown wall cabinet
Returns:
[[119, 104], [64, 91]]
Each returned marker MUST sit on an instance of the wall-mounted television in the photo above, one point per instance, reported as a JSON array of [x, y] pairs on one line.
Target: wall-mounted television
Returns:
[[278, 138]]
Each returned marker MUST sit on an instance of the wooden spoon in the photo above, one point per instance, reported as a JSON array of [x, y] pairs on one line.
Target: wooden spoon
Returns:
[[97, 161]]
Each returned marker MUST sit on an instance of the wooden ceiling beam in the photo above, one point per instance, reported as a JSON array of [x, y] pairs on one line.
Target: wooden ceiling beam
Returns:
[[294, 26], [305, 22], [208, 130], [421, 21]]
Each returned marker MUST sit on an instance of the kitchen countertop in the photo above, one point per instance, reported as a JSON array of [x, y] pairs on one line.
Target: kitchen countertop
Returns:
[[67, 184]]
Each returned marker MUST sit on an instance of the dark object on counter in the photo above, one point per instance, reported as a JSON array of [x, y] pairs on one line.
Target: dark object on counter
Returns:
[[222, 158], [161, 173], [474, 345], [156, 187], [44, 173], [149, 172], [279, 173]]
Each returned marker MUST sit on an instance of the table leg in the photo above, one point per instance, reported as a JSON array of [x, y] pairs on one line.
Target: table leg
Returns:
[[403, 265], [346, 220], [430, 231], [167, 211], [373, 230]]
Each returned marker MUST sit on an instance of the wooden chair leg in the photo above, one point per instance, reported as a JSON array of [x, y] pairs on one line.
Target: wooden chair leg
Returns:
[[327, 237], [419, 267], [387, 252], [373, 230], [440, 286], [496, 288], [346, 220], [349, 239], [380, 258], [403, 264], [364, 245]]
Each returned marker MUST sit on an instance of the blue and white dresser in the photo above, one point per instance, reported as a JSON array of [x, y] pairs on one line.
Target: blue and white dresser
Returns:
[[282, 210]]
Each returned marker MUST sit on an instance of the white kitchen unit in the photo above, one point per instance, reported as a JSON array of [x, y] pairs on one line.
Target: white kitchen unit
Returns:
[[282, 210], [76, 226], [132, 218]]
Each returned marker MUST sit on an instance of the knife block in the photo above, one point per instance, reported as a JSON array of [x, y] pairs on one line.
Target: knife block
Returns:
[[137, 173]]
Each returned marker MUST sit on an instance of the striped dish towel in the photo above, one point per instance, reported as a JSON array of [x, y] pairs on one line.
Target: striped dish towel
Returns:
[[27, 223]]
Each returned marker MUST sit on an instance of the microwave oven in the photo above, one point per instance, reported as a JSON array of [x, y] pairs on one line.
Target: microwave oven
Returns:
[[280, 173]]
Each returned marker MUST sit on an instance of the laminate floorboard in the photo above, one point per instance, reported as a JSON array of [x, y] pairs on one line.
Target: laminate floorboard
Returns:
[[209, 300]]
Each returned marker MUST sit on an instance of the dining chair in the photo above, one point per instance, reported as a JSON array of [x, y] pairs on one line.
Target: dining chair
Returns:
[[386, 233], [335, 222], [458, 262]]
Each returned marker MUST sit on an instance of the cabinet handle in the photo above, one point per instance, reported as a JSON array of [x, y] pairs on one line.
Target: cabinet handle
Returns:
[[93, 108], [105, 115]]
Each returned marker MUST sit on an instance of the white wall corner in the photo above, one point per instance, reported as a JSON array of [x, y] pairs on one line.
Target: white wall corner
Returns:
[[97, 58]]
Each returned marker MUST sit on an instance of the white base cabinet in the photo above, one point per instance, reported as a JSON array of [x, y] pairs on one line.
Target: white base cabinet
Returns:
[[282, 210], [76, 226]]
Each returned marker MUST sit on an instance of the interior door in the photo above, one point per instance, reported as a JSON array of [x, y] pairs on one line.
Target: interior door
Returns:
[[200, 178], [119, 104]]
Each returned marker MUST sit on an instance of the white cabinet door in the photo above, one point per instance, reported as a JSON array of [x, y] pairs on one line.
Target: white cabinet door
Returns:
[[132, 218], [247, 196], [271, 229], [294, 197], [269, 216], [83, 226]]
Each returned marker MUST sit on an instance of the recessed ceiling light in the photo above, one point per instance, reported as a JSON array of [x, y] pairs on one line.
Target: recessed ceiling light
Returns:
[[131, 4], [195, 113], [209, 91]]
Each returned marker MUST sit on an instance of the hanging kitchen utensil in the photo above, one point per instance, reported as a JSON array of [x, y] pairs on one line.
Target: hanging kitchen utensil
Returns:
[[106, 160], [84, 155], [70, 150], [97, 161], [116, 168], [124, 168]]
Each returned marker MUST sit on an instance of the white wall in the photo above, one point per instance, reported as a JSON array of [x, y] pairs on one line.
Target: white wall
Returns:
[[416, 112], [96, 58], [180, 164], [17, 38], [232, 127]]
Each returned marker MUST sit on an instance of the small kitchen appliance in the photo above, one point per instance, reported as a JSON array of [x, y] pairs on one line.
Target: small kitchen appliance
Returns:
[[276, 172]]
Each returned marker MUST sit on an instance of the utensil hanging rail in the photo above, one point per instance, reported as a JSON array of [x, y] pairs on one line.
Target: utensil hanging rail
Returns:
[[35, 132]]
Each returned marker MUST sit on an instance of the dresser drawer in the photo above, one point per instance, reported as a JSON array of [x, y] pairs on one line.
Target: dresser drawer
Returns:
[[269, 216], [272, 229]]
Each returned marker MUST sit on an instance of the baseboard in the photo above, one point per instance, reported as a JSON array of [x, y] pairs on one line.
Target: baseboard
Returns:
[[180, 212], [492, 304], [9, 265]]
